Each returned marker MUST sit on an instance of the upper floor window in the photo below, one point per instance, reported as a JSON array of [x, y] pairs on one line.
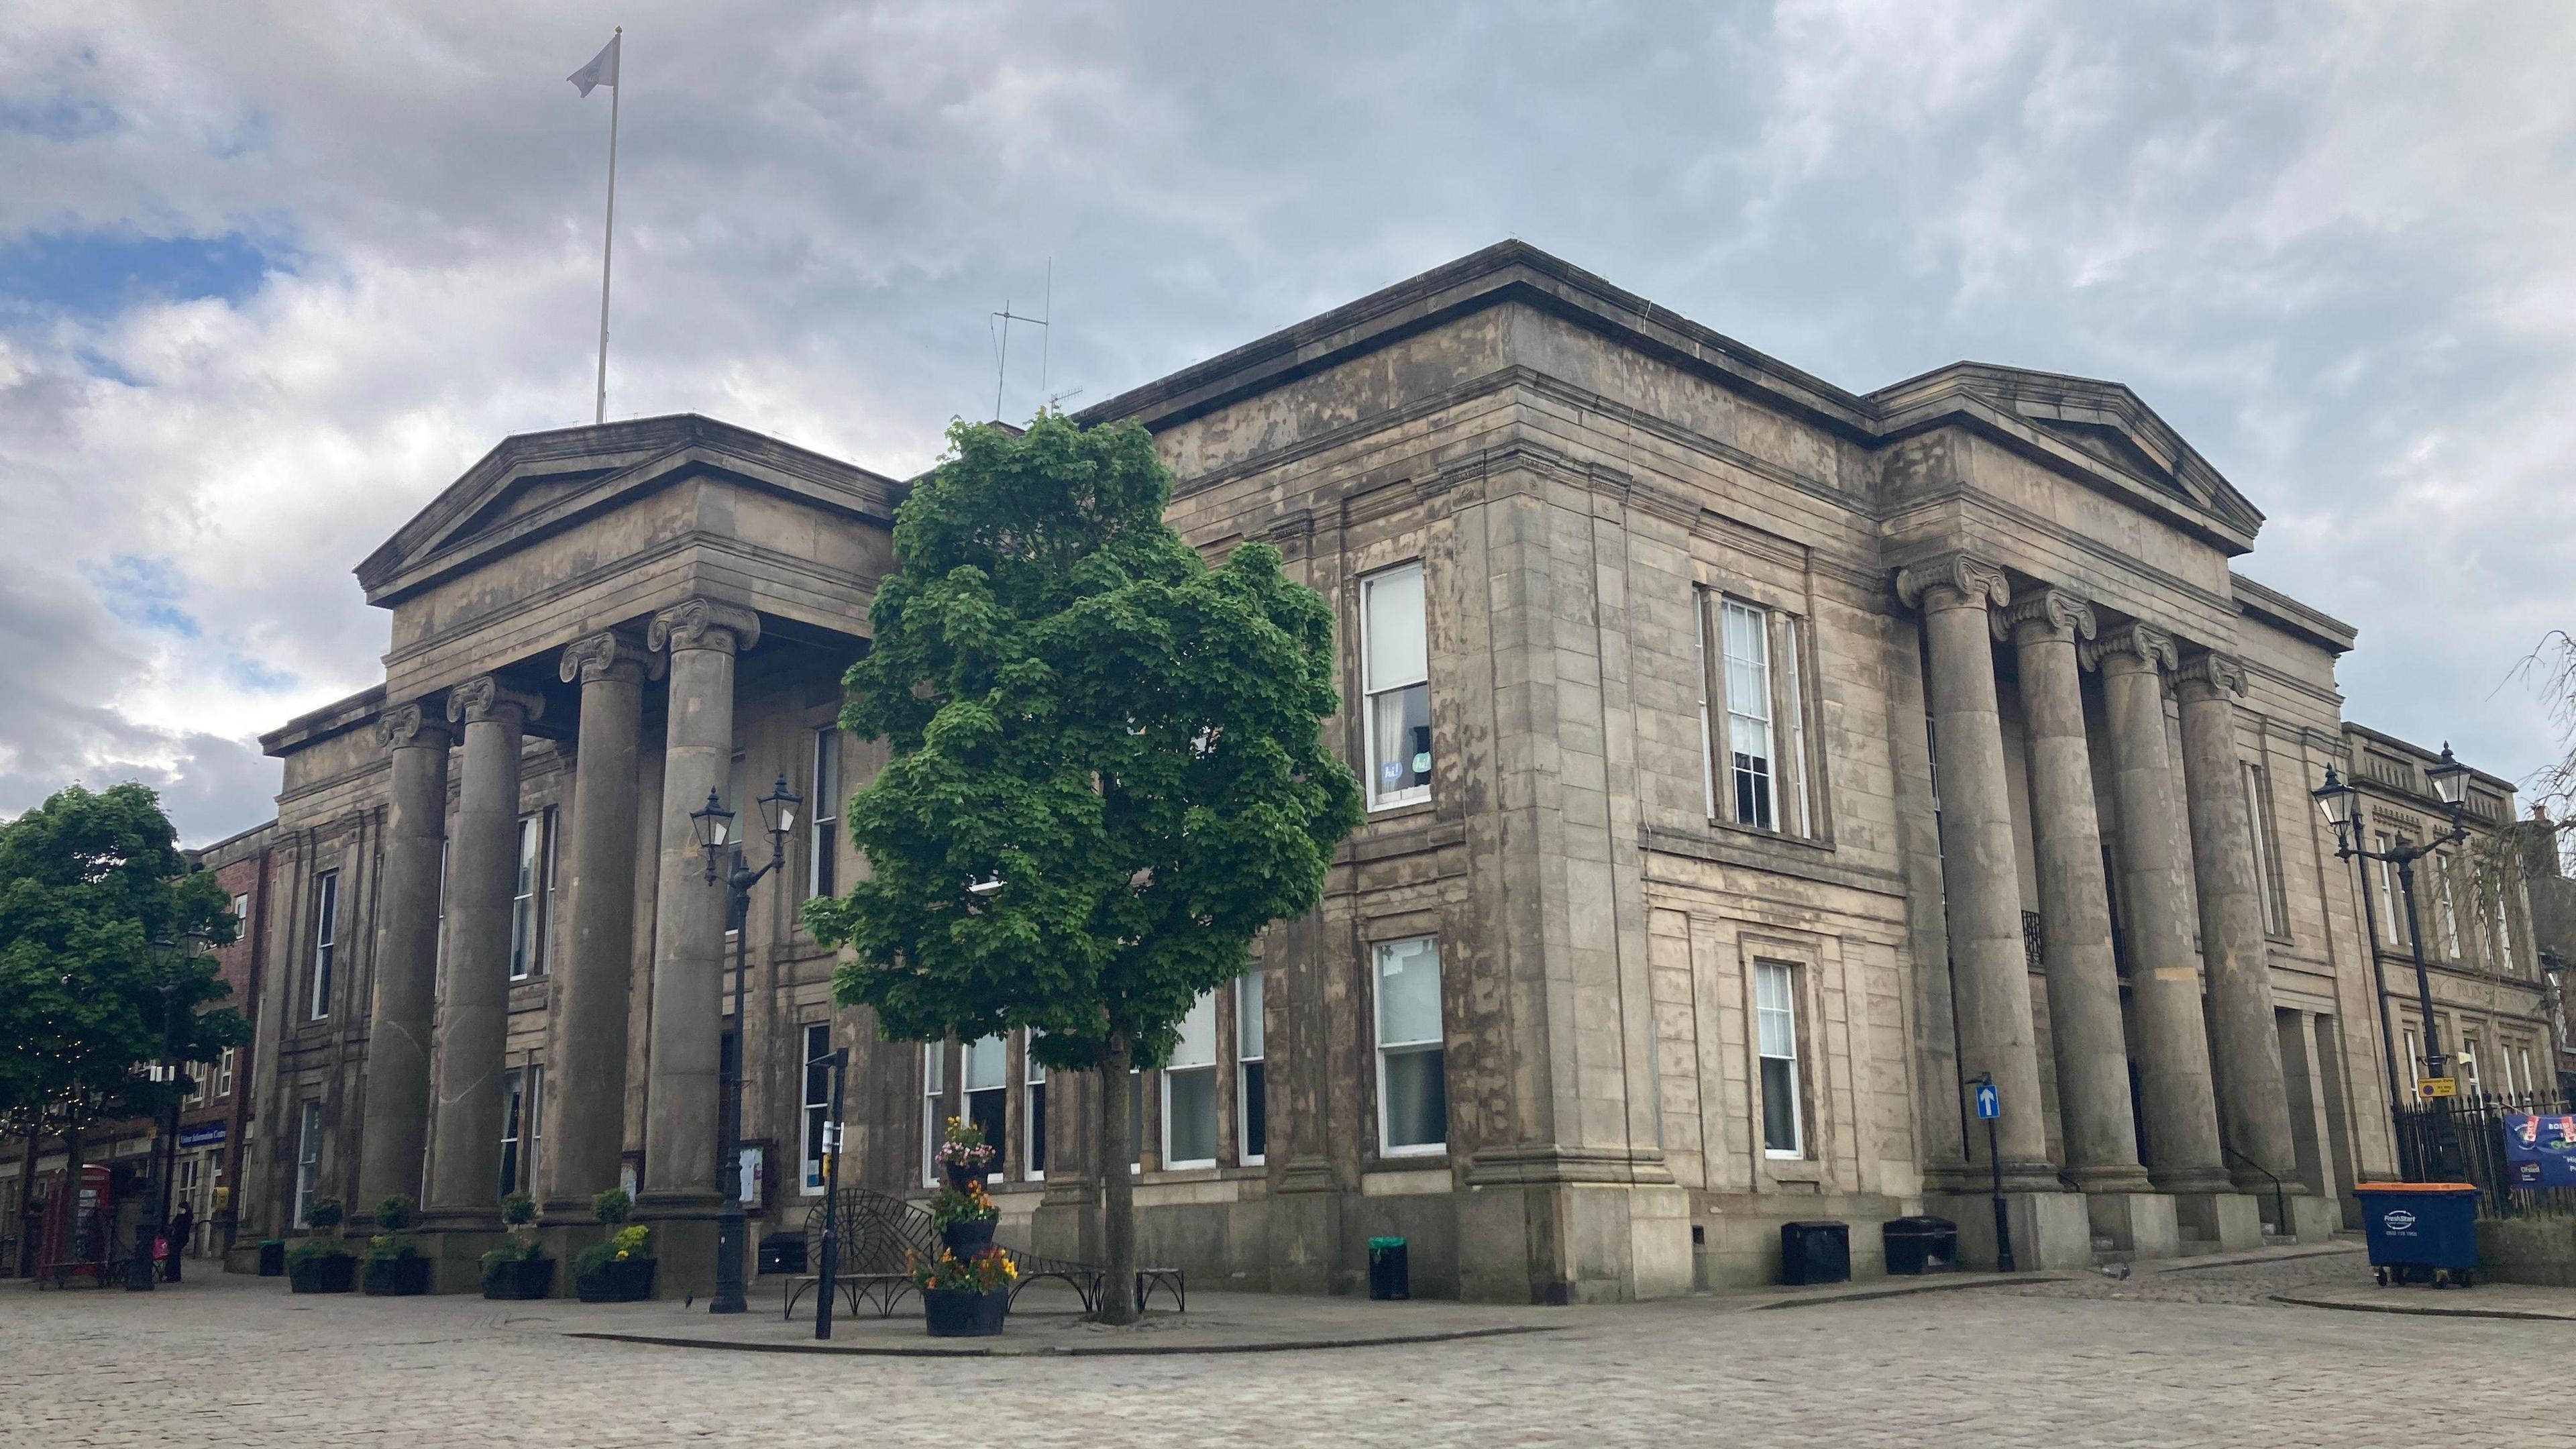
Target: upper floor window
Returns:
[[826, 844], [1396, 679], [326, 938], [1753, 711], [224, 1064], [241, 917]]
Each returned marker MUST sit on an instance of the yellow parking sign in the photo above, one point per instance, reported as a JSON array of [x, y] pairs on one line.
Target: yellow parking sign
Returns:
[[2437, 1087]]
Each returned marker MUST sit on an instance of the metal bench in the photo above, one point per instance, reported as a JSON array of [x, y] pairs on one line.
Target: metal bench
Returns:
[[881, 1234]]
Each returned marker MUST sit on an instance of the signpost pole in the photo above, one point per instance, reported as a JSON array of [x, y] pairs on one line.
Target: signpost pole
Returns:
[[1990, 1105], [828, 1268]]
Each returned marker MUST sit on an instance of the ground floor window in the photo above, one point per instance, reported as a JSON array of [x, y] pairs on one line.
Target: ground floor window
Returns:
[[1189, 1090], [1252, 1106], [987, 1093], [1033, 1119], [1412, 1060], [817, 1105], [519, 1112], [308, 1161], [1776, 1012], [933, 1087]]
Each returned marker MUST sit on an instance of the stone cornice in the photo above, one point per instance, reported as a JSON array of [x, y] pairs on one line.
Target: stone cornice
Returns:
[[2151, 646], [1975, 580], [486, 699], [2053, 612], [703, 623], [608, 654], [409, 725]]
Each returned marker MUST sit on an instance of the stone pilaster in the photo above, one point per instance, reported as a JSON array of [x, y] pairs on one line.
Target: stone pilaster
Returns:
[[465, 1181], [588, 1051], [396, 1132], [2253, 1100], [1988, 961], [2164, 976], [702, 636], [2074, 904]]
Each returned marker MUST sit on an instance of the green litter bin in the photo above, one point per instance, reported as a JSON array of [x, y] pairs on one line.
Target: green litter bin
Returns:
[[1390, 1276]]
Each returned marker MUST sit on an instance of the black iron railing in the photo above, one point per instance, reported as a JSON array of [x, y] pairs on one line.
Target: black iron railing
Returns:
[[2477, 1122]]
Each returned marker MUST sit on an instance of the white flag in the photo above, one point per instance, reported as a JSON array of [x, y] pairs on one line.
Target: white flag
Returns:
[[602, 70]]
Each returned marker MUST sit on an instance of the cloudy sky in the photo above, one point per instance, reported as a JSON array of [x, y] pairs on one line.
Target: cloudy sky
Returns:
[[268, 281]]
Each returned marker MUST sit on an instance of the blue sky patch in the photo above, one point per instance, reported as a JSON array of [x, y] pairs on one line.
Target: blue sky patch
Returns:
[[145, 592], [99, 273]]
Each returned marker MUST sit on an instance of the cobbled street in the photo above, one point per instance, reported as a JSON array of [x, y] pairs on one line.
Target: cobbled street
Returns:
[[2195, 1357]]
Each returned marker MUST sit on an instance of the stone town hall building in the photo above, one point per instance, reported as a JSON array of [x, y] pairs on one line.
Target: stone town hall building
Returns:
[[1750, 762]]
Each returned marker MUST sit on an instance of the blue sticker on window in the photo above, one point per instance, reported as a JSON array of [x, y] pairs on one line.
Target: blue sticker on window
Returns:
[[1391, 771]]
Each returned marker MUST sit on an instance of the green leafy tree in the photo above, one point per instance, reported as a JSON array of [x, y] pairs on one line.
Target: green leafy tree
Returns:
[[88, 882], [1107, 771]]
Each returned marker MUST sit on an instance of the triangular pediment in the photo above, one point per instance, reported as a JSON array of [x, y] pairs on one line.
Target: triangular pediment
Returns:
[[534, 484]]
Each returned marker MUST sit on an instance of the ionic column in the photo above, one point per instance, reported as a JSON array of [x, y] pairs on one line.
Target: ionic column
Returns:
[[1977, 858], [2074, 906], [589, 1047], [482, 869], [2253, 1099], [686, 1032], [396, 1130], [2164, 976]]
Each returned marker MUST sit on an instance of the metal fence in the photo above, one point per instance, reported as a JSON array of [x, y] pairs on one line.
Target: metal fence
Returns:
[[2476, 1121]]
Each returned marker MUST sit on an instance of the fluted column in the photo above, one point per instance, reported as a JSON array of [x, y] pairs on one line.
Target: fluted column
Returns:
[[702, 636], [589, 1047], [396, 1130], [1978, 860], [2164, 975], [2253, 1097], [482, 869], [2074, 904]]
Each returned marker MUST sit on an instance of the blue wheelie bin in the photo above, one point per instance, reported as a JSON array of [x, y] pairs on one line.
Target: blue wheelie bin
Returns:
[[2421, 1232]]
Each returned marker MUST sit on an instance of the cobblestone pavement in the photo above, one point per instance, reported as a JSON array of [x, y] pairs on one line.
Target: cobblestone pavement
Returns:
[[2177, 1358]]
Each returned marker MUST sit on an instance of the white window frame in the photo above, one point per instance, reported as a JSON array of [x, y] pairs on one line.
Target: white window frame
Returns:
[[822, 876], [1000, 1085], [817, 1108], [934, 1088], [1785, 1010], [2414, 1059], [527, 931], [1385, 1049], [241, 917], [1178, 1069], [1412, 794], [308, 1160], [1777, 686], [326, 939], [1251, 1044], [2444, 868], [225, 1061]]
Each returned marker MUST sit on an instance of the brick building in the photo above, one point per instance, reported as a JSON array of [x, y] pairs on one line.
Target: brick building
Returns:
[[1751, 763]]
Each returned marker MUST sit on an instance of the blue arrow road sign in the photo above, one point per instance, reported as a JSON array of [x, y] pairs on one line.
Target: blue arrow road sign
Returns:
[[1990, 1103]]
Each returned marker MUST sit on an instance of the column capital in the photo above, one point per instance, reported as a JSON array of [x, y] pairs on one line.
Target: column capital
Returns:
[[2050, 613], [485, 697], [703, 623], [2150, 646], [608, 654], [1975, 580], [412, 726], [2211, 672]]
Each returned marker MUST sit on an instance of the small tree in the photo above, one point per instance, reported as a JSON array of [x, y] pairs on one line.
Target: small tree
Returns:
[[1107, 773], [88, 883]]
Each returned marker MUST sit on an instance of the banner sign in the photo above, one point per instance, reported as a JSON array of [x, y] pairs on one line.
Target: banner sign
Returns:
[[204, 1134], [2541, 1149]]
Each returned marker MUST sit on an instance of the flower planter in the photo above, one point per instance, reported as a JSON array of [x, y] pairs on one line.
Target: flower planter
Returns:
[[401, 1277], [968, 1236], [963, 1312], [964, 1178], [520, 1278], [334, 1274], [628, 1280]]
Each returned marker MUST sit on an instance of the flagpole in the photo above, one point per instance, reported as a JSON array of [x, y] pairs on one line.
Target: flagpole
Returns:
[[608, 239]]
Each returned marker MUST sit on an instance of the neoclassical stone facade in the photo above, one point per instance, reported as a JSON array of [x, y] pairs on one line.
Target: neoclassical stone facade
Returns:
[[1751, 763]]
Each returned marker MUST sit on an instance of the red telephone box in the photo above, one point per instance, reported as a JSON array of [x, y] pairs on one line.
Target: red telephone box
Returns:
[[77, 1233]]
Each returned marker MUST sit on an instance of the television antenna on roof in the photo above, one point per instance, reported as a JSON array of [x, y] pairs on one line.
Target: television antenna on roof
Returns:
[[1000, 327]]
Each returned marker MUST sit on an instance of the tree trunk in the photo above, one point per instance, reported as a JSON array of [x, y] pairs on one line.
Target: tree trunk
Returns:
[[1118, 1184]]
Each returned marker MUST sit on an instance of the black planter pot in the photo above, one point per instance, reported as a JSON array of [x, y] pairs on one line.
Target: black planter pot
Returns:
[[962, 1178], [519, 1278], [963, 1312], [968, 1236], [396, 1277], [334, 1274], [629, 1281]]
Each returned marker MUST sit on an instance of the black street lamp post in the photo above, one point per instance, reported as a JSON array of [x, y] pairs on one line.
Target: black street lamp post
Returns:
[[2341, 803], [140, 1271], [714, 825], [829, 1267]]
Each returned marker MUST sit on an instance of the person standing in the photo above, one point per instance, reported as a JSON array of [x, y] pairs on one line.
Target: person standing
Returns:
[[183, 1228]]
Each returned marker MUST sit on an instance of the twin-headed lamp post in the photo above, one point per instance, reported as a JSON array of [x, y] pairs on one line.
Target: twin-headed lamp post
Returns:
[[715, 829], [2341, 803]]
